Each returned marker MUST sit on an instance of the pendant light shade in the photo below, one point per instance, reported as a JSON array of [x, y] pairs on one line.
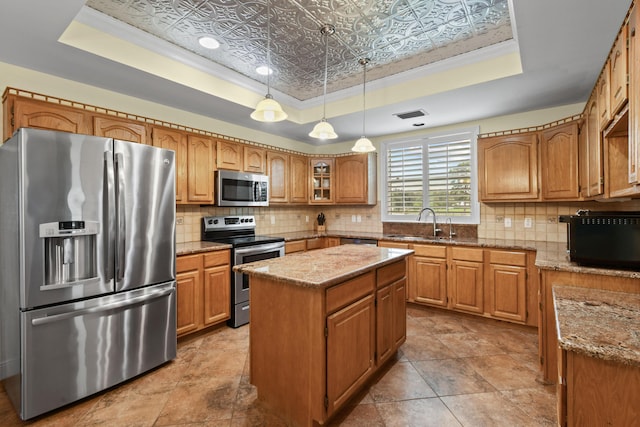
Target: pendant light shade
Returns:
[[363, 145], [268, 110], [324, 130]]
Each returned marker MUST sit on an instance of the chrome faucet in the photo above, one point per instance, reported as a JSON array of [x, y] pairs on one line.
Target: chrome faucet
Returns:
[[451, 231], [435, 225]]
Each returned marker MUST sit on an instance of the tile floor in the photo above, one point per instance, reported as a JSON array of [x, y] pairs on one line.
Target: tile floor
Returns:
[[453, 370]]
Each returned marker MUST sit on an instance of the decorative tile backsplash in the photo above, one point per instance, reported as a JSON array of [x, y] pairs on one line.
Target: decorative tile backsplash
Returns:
[[528, 221]]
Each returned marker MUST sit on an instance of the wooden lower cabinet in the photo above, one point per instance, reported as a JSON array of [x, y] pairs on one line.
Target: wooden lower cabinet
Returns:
[[429, 275], [329, 342], [351, 343], [466, 281], [486, 282], [203, 287], [596, 392]]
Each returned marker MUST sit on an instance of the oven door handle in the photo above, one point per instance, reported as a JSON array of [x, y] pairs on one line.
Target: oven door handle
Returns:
[[259, 248]]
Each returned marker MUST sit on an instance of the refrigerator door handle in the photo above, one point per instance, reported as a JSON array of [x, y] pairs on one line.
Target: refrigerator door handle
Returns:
[[99, 309], [110, 219], [121, 217]]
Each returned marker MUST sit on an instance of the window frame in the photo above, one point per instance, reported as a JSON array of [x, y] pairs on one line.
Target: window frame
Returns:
[[424, 140]]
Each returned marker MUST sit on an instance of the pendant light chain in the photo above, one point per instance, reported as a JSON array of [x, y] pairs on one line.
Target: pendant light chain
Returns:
[[364, 62]]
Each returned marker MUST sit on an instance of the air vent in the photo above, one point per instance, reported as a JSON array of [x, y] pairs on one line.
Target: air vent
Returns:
[[410, 114]]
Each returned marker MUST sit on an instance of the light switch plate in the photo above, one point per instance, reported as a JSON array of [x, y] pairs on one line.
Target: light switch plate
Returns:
[[507, 223], [528, 223]]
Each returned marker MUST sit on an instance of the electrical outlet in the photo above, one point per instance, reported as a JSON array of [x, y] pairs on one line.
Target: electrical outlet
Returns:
[[507, 222], [179, 220], [306, 218], [273, 219], [528, 223], [353, 218], [359, 218]]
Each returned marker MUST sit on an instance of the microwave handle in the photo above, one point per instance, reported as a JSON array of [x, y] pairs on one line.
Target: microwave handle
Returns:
[[256, 191]]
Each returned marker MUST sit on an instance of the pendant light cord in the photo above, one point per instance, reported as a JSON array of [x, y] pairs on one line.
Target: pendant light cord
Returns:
[[364, 85], [268, 48], [326, 62]]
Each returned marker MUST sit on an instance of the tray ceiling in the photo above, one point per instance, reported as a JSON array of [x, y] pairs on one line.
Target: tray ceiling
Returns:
[[397, 35]]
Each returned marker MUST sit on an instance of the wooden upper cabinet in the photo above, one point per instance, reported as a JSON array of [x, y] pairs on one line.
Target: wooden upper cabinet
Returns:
[[230, 155], [602, 88], [278, 170], [255, 159], [298, 179], [123, 129], [174, 140], [634, 93], [200, 171], [352, 183], [559, 162], [508, 167], [593, 162], [25, 112], [618, 72]]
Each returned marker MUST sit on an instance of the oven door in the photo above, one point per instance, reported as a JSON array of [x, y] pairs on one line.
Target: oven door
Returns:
[[250, 254]]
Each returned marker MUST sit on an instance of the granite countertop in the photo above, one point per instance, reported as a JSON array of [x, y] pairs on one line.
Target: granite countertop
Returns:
[[549, 255], [598, 323], [198, 247], [323, 267]]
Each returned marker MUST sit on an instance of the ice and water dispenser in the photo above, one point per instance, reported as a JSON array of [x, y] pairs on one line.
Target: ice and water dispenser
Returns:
[[70, 251]]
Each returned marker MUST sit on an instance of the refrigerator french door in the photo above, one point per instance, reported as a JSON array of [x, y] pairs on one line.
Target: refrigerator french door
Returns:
[[87, 264]]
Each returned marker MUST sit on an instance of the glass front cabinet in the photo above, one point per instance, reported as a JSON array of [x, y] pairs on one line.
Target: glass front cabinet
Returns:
[[322, 180]]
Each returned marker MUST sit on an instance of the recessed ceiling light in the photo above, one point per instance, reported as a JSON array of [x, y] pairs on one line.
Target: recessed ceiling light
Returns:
[[263, 70], [208, 42]]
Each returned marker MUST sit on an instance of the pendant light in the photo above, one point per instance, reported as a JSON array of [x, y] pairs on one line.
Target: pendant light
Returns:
[[363, 145], [324, 130], [268, 110]]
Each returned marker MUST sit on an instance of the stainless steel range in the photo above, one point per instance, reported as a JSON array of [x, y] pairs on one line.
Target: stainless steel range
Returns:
[[240, 232]]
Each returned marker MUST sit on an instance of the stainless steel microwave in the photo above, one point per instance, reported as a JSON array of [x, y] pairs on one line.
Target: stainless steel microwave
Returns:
[[241, 189]]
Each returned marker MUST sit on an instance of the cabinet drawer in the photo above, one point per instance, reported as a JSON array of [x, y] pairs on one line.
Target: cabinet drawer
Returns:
[[211, 259], [388, 244], [467, 254], [295, 246], [188, 263], [508, 258], [391, 273], [343, 294], [430, 251], [314, 243]]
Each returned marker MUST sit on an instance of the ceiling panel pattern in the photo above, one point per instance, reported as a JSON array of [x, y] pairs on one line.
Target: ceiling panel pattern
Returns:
[[397, 35]]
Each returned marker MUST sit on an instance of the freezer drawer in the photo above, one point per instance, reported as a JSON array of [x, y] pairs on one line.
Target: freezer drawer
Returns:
[[74, 350]]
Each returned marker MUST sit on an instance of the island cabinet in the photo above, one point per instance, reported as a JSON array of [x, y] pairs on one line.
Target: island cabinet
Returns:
[[203, 290], [325, 342]]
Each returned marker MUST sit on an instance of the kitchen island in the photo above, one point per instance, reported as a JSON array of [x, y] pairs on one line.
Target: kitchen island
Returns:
[[322, 323]]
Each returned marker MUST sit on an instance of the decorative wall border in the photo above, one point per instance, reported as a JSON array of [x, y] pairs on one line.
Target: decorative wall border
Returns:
[[531, 128]]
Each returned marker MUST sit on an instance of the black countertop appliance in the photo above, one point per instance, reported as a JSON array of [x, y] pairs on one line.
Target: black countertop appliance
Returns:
[[606, 239]]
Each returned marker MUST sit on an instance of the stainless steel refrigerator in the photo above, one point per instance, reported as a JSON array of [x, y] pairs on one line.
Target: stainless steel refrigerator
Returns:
[[87, 265]]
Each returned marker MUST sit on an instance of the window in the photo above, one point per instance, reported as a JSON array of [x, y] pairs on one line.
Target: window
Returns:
[[437, 171]]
